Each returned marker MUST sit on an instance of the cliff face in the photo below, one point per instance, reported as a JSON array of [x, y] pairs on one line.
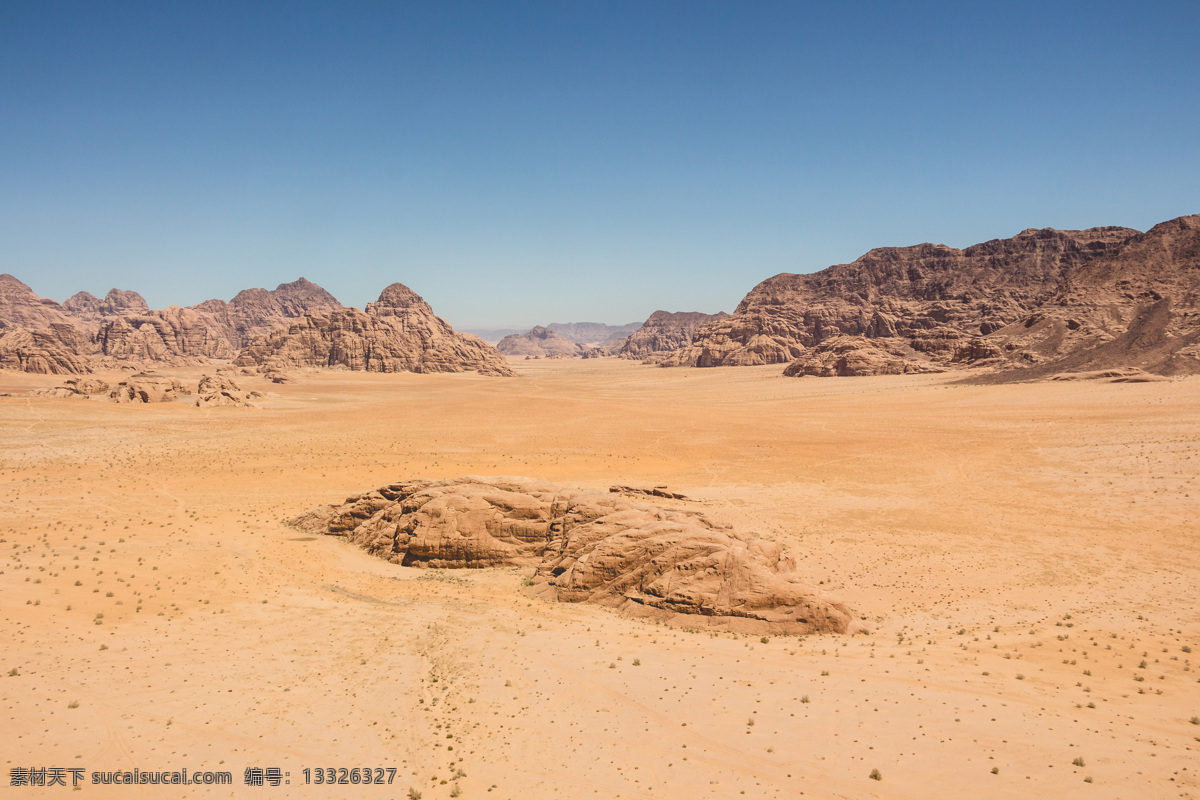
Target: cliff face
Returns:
[[664, 332], [923, 294], [1137, 307], [397, 333]]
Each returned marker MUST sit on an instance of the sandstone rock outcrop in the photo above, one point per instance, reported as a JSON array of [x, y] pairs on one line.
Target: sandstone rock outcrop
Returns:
[[668, 563], [172, 335], [43, 352], [664, 332], [539, 342], [21, 308], [856, 356], [397, 333], [149, 388], [78, 387], [90, 311], [902, 292], [220, 390]]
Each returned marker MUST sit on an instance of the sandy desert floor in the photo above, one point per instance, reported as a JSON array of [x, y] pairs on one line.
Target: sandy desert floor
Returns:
[[1028, 558]]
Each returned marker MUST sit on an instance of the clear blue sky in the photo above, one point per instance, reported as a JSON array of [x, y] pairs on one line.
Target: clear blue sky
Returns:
[[521, 162]]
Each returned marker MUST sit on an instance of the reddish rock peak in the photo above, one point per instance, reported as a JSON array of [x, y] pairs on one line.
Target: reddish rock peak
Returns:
[[119, 301], [397, 296]]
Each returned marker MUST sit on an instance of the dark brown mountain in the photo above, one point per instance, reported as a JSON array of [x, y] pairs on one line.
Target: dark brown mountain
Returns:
[[397, 333], [934, 296], [1138, 307]]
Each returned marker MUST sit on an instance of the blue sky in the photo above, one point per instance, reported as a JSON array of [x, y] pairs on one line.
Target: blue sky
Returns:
[[517, 162]]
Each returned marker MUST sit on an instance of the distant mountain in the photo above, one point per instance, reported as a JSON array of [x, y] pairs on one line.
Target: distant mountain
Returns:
[[592, 333], [539, 342], [492, 335], [930, 295]]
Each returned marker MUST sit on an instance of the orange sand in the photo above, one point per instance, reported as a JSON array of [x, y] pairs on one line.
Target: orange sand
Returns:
[[1021, 551]]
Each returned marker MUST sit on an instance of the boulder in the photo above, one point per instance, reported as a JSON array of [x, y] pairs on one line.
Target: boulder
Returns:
[[668, 563], [149, 388]]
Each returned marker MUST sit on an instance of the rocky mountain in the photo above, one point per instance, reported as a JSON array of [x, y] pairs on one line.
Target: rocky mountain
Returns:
[[664, 332], [1135, 308], [39, 335], [397, 333], [935, 296], [254, 312], [539, 342], [662, 561]]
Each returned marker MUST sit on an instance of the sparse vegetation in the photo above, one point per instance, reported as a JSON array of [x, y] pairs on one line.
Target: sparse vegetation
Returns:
[[875, 775]]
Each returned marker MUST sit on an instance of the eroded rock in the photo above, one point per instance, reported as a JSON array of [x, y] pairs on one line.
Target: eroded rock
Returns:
[[397, 333], [672, 564]]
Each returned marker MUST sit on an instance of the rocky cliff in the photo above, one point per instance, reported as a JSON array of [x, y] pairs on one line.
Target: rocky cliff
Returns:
[[1137, 307], [664, 332], [397, 333], [934, 296]]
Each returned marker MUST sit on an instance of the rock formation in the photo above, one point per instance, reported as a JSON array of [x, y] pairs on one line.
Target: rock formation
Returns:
[[67, 338], [78, 387], [664, 332], [256, 312], [42, 351], [1137, 307], [902, 292], [667, 563], [539, 342], [220, 390], [397, 333], [91, 312], [149, 388], [856, 356]]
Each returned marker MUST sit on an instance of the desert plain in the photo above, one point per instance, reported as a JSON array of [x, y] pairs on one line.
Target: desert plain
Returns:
[[1026, 558]]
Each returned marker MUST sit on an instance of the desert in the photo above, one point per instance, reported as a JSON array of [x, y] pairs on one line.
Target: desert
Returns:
[[1025, 555], [640, 400]]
